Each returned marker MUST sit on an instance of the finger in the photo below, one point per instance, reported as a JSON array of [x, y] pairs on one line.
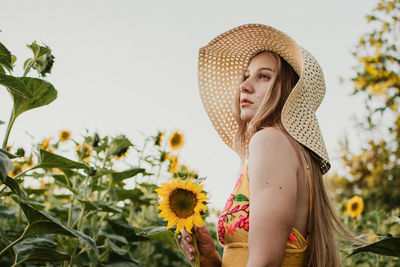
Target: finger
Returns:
[[186, 247], [186, 236]]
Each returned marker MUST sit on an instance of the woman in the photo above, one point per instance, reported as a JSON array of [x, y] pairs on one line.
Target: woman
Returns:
[[278, 213]]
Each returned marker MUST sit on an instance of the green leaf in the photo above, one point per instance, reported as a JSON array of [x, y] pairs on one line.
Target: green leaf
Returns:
[[64, 179], [50, 160], [121, 227], [14, 186], [107, 206], [8, 154], [119, 176], [42, 223], [6, 212], [38, 50], [160, 234], [39, 250], [388, 246], [1, 122], [43, 93], [133, 194], [88, 206], [119, 145], [117, 238], [5, 57], [15, 86], [60, 178], [34, 191], [115, 248], [240, 197], [4, 242], [5, 165]]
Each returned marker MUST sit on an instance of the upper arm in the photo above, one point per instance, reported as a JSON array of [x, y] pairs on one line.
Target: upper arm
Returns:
[[272, 172]]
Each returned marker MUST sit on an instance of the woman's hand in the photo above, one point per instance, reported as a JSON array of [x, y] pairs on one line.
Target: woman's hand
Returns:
[[205, 244]]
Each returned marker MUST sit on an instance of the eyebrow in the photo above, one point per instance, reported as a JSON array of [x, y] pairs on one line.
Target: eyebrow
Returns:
[[263, 68]]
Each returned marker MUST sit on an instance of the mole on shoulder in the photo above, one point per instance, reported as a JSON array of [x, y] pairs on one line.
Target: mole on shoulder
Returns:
[[280, 187]]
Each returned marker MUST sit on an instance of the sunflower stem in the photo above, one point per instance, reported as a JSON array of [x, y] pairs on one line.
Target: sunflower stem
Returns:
[[196, 262]]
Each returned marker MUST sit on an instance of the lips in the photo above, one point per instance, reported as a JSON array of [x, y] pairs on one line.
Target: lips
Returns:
[[245, 100]]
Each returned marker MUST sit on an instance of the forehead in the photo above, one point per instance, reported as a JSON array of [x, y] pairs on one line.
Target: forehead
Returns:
[[263, 60]]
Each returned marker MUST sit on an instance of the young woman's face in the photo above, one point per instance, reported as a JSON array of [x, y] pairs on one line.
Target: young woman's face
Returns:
[[258, 79]]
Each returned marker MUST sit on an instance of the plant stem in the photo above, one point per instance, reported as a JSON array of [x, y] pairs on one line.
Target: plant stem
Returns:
[[14, 242], [28, 67], [196, 254], [161, 163], [23, 173], [9, 126], [104, 254], [142, 152], [131, 212]]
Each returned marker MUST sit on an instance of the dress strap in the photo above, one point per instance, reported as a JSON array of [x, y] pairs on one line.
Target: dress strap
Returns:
[[310, 206], [246, 166]]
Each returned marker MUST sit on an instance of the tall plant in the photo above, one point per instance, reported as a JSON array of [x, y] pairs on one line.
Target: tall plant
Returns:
[[373, 174], [81, 210]]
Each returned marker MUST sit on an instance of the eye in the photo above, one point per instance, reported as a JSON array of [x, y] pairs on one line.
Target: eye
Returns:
[[263, 76]]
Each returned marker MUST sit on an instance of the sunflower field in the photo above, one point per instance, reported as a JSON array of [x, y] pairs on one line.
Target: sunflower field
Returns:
[[87, 200], [94, 200]]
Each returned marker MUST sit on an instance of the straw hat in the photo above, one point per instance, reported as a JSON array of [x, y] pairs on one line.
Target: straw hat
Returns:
[[221, 65]]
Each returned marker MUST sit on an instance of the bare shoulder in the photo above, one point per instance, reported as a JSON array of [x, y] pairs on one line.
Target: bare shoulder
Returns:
[[271, 138], [268, 135], [270, 146]]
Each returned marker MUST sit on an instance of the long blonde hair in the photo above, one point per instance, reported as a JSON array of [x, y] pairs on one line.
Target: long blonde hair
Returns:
[[322, 249]]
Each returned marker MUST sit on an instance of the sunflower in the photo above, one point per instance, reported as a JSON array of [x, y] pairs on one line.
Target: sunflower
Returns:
[[355, 206], [174, 164], [45, 144], [164, 156], [64, 135], [122, 153], [86, 150], [18, 168], [182, 203], [30, 162], [175, 141], [158, 139]]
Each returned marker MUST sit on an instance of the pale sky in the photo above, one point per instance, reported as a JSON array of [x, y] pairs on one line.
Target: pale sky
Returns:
[[125, 67]]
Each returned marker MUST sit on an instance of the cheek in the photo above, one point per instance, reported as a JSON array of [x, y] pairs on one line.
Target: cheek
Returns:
[[262, 92]]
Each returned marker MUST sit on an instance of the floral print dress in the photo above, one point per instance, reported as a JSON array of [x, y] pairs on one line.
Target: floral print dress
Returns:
[[233, 229]]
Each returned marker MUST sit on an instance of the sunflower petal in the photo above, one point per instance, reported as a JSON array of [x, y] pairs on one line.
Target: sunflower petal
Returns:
[[181, 224], [189, 224], [197, 220], [170, 224]]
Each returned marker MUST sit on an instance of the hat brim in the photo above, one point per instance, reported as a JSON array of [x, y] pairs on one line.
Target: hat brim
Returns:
[[220, 70]]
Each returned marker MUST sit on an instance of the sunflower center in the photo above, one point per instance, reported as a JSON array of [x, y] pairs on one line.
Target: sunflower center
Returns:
[[176, 140], [354, 206], [182, 202], [64, 135]]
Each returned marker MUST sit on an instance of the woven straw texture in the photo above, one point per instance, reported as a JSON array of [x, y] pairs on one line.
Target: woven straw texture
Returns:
[[220, 70]]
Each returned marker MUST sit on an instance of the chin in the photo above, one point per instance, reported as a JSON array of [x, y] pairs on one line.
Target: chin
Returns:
[[245, 117]]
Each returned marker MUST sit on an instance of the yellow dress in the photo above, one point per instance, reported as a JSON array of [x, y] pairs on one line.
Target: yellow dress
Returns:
[[233, 229]]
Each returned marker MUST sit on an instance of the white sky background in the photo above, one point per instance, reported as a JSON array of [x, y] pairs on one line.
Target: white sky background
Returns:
[[128, 66]]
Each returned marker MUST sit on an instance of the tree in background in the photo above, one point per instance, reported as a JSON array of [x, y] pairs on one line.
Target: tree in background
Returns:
[[370, 190], [374, 172]]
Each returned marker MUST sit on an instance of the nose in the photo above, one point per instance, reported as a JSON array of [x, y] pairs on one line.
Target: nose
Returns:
[[246, 86]]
